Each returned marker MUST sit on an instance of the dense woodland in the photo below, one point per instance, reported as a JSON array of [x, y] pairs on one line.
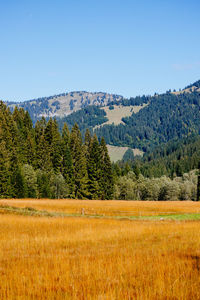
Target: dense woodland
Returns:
[[87, 118], [40, 162], [165, 118], [172, 159], [44, 163]]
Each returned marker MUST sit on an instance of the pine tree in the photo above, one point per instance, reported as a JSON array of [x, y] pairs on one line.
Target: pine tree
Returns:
[[78, 153], [88, 138], [43, 160], [5, 188], [53, 139], [43, 184], [67, 164], [106, 177], [20, 186], [94, 167], [198, 185]]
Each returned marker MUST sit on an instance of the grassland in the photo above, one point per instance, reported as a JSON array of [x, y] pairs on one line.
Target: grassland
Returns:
[[115, 115], [99, 252], [116, 153]]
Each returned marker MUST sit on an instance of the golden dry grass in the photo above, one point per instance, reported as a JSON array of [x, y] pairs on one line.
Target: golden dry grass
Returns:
[[108, 208], [82, 258]]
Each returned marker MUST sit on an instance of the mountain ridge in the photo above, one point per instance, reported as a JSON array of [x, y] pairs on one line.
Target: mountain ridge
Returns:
[[155, 120], [64, 104]]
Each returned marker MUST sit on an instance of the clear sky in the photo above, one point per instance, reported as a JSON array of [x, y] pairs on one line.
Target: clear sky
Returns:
[[125, 47]]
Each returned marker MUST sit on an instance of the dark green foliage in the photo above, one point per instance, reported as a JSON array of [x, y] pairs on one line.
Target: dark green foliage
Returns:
[[43, 184], [78, 153], [67, 168], [128, 155], [94, 169], [166, 117], [53, 139], [40, 162], [198, 185], [171, 159], [106, 176], [85, 118], [20, 185]]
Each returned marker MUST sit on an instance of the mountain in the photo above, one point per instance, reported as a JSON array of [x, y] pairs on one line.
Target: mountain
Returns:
[[143, 122], [64, 104], [137, 123]]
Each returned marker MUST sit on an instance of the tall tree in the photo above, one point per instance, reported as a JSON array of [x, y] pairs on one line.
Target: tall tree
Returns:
[[198, 185], [78, 153], [53, 139], [106, 177], [94, 169], [67, 163]]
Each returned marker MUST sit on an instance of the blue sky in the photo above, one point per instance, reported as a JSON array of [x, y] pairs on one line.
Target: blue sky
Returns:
[[124, 47]]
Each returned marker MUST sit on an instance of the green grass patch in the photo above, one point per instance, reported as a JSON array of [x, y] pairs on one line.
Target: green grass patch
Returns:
[[29, 211]]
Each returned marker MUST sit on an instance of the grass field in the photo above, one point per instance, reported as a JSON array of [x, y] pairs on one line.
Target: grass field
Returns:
[[72, 249], [116, 153]]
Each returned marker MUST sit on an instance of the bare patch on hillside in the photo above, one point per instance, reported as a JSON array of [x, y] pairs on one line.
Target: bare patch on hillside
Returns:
[[116, 153], [115, 115], [66, 104]]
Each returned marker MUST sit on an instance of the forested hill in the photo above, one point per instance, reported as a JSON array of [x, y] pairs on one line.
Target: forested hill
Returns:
[[172, 159], [166, 117], [173, 115], [40, 162], [63, 104], [141, 122]]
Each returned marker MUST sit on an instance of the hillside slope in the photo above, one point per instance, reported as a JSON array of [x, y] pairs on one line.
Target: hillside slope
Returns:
[[166, 117], [64, 104], [172, 159], [144, 122], [138, 123]]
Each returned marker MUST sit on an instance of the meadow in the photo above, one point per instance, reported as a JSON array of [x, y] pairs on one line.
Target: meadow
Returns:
[[99, 250]]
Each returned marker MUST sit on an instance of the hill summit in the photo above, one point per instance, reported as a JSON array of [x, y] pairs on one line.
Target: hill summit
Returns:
[[64, 104]]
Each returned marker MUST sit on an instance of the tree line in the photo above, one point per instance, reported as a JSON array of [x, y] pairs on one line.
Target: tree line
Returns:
[[42, 162]]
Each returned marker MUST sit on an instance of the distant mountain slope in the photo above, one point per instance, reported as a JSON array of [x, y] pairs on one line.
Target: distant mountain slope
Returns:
[[166, 117], [137, 123], [160, 119], [194, 87], [64, 104], [174, 158]]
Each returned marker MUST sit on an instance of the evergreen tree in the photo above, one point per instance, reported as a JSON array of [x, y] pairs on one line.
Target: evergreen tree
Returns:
[[43, 160], [78, 153], [5, 188], [53, 139], [20, 186], [198, 185], [94, 169], [39, 162], [43, 184], [106, 177], [67, 163]]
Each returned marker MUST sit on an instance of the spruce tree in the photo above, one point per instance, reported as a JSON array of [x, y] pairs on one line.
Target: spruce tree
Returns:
[[67, 163], [106, 177], [198, 184], [53, 140], [78, 153], [94, 169], [5, 188]]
